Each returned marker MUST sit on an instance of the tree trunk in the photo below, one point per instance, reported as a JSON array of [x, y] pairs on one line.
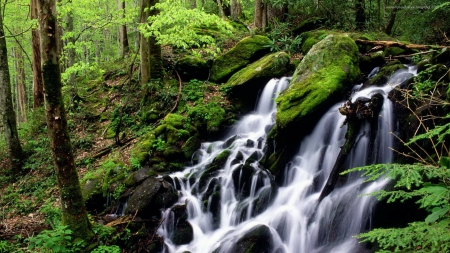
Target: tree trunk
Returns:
[[236, 9], [125, 49], [72, 204], [258, 20], [144, 45], [222, 14], [70, 42], [390, 24], [38, 86], [360, 18], [20, 81], [8, 116], [155, 56]]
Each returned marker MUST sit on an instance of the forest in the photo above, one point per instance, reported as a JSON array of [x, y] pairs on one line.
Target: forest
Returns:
[[145, 126]]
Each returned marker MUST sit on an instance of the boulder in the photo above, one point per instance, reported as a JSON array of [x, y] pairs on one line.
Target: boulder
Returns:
[[371, 60], [151, 196], [183, 232], [329, 70], [252, 78], [309, 24], [383, 75], [245, 52], [256, 240], [192, 67]]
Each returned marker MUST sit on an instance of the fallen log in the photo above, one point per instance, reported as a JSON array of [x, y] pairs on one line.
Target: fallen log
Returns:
[[397, 44]]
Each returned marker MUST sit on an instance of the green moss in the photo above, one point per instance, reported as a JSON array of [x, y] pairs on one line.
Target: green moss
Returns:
[[191, 145], [393, 51], [210, 116], [245, 52], [141, 150], [269, 66], [326, 71], [311, 38]]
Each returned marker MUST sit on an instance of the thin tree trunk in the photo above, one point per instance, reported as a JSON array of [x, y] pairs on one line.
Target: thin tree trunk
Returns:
[[222, 14], [20, 81], [235, 9], [38, 86], [277, 14], [390, 24], [258, 14], [125, 49], [8, 116], [70, 42], [72, 204], [155, 56], [144, 45]]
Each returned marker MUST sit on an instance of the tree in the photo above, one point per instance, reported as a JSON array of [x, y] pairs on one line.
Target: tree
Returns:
[[235, 9], [72, 204], [123, 36], [258, 19], [390, 24], [6, 107], [38, 86], [360, 18]]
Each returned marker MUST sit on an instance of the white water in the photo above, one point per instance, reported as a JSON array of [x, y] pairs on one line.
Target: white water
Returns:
[[296, 223]]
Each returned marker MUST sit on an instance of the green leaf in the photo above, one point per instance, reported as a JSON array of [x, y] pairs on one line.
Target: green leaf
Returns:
[[445, 161], [437, 213]]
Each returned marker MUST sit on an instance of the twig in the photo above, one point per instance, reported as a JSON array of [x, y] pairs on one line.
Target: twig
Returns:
[[156, 229], [179, 93]]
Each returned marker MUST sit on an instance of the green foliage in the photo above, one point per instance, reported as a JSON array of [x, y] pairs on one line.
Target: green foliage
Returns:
[[58, 240], [107, 249], [7, 247], [281, 38], [193, 91], [181, 27]]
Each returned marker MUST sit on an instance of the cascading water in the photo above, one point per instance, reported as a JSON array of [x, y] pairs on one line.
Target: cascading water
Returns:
[[225, 203]]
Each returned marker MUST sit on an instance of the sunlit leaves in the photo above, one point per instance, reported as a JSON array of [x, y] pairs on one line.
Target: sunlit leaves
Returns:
[[184, 28]]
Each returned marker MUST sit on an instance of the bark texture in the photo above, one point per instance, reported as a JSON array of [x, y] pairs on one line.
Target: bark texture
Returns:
[[8, 115], [38, 86], [20, 81], [72, 204], [144, 45], [235, 9], [258, 20], [124, 46]]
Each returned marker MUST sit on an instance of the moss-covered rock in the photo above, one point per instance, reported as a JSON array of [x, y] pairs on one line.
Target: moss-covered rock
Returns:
[[324, 75], [183, 232], [326, 71], [273, 65], [191, 145], [370, 61], [245, 52], [208, 117], [309, 39], [192, 67], [309, 24], [384, 73]]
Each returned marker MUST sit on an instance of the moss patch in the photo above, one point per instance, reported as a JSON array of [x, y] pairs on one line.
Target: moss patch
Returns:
[[328, 69], [246, 51], [267, 67]]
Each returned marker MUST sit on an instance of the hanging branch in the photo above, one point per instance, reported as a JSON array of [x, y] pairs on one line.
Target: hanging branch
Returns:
[[20, 45]]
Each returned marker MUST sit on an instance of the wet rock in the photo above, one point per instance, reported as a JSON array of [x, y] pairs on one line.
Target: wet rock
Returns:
[[229, 141], [260, 142], [183, 232], [151, 196], [265, 198], [213, 168], [93, 195], [254, 157], [250, 143], [242, 179], [257, 240]]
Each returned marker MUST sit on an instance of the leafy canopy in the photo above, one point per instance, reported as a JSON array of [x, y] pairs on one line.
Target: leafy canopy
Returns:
[[185, 28]]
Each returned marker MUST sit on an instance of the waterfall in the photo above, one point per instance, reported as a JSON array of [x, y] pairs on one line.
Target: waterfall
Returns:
[[241, 196]]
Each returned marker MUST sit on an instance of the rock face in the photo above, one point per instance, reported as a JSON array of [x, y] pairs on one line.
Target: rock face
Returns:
[[149, 197], [245, 52], [324, 75], [191, 67]]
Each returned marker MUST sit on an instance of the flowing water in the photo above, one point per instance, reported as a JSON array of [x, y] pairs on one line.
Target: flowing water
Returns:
[[248, 198]]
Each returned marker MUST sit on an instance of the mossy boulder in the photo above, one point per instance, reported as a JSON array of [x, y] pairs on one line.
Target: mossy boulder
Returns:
[[309, 24], [165, 141], [183, 232], [309, 39], [151, 196], [370, 61], [384, 73], [192, 67], [93, 194], [208, 117], [273, 65], [328, 70], [245, 84], [245, 52]]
